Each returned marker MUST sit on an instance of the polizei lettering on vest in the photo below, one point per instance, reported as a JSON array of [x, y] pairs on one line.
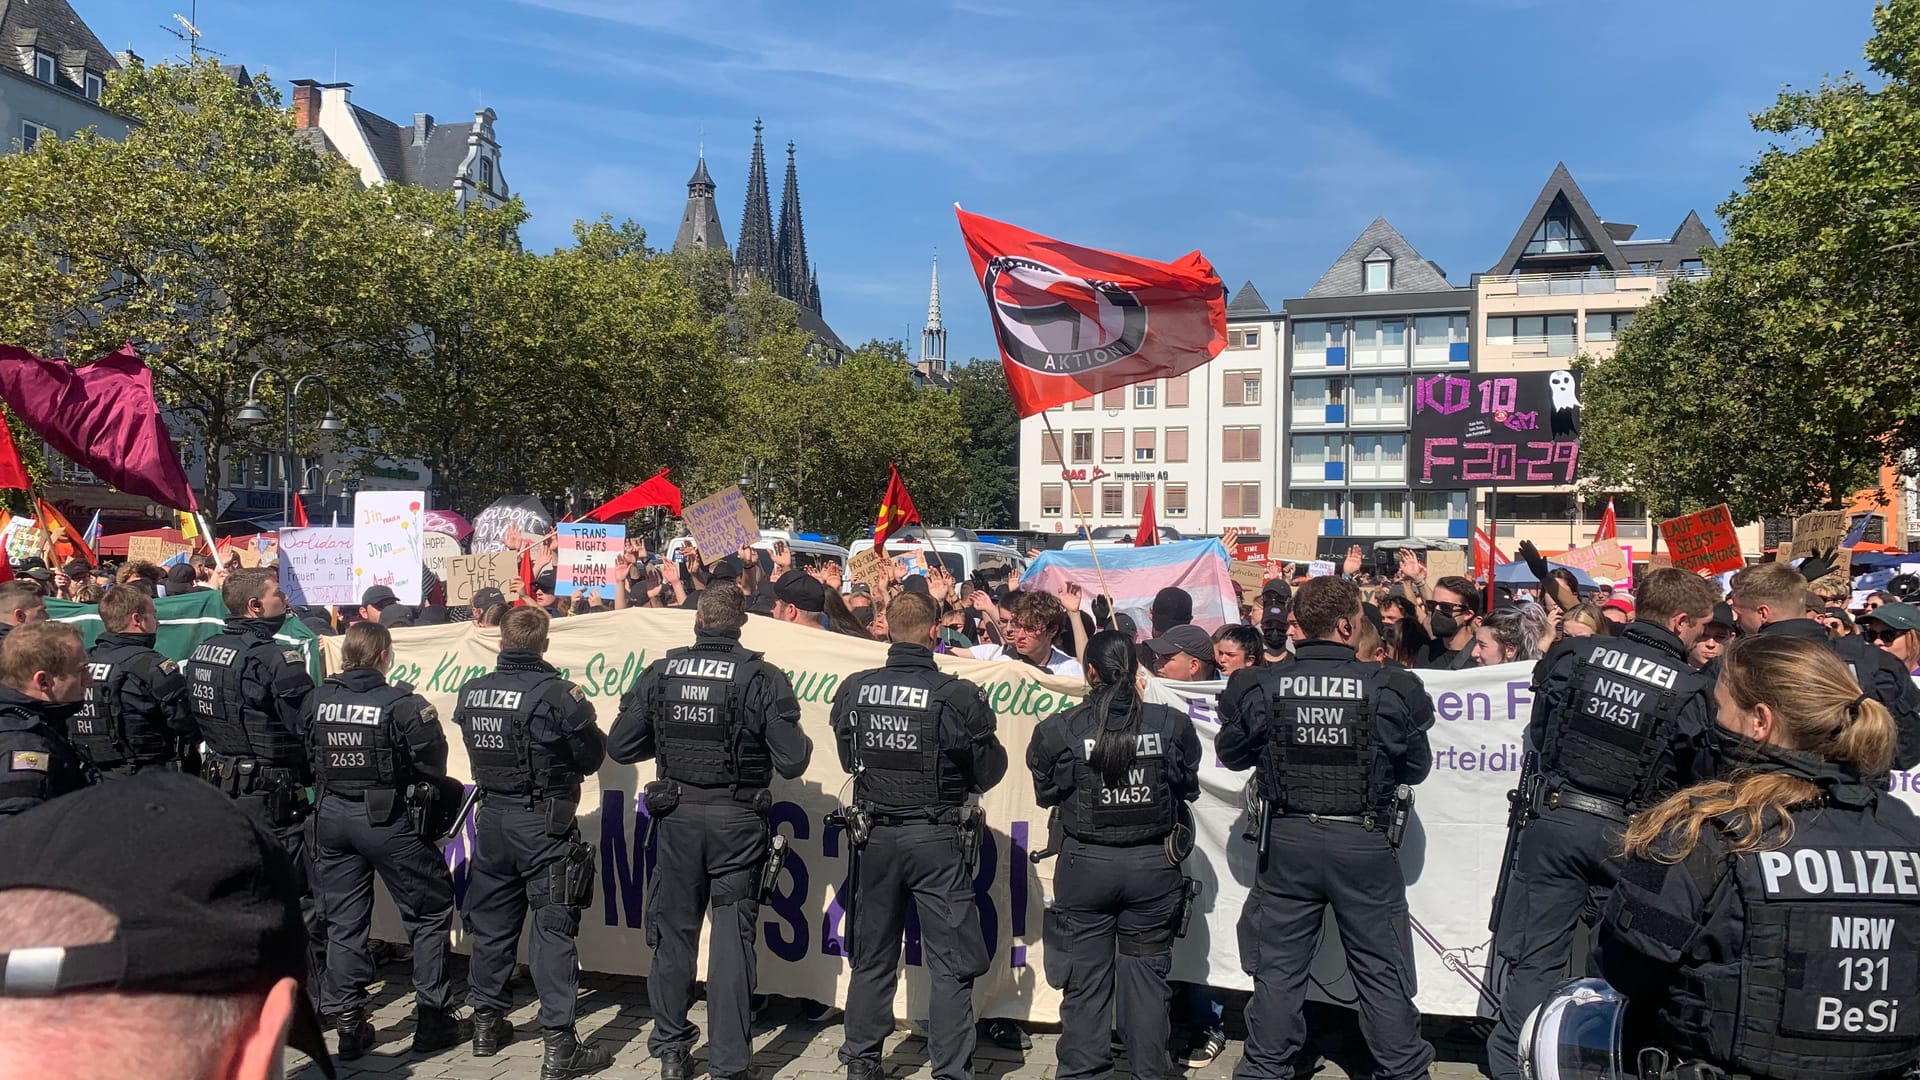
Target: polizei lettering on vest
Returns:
[[216, 655], [483, 698], [1810, 872], [891, 695], [99, 672], [692, 667], [1636, 667], [1319, 686], [1145, 744], [336, 713]]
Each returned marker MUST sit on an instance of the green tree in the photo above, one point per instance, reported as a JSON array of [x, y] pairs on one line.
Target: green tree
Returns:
[[992, 497]]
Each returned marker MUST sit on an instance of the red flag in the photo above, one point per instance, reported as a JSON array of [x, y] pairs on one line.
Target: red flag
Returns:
[[68, 544], [1149, 533], [13, 472], [299, 513], [1486, 553], [1073, 321], [102, 417], [896, 510], [526, 575], [1608, 530], [658, 491]]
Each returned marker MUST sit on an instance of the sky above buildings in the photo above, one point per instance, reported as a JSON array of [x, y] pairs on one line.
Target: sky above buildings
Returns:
[[1268, 135]]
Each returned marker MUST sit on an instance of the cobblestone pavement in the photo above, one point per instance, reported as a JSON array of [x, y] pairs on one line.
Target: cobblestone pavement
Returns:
[[787, 1044]]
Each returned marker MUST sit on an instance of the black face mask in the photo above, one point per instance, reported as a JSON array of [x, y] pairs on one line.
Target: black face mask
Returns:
[[1274, 633], [1444, 625]]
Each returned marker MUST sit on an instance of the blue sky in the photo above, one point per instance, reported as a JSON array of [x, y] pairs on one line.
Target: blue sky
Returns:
[[1266, 134]]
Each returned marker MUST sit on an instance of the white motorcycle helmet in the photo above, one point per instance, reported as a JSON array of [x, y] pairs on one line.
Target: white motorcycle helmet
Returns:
[[1575, 1034]]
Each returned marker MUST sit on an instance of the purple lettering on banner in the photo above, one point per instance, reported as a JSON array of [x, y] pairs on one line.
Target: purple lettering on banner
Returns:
[[833, 938], [1519, 699], [1019, 865], [459, 856], [1467, 764], [982, 889], [1430, 457], [1453, 394], [788, 903], [1447, 705], [623, 870]]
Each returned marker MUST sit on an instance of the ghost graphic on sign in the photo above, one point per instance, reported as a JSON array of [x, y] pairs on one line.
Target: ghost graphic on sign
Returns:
[[1566, 405]]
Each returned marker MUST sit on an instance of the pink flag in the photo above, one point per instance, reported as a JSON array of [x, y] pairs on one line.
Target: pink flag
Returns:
[[102, 417]]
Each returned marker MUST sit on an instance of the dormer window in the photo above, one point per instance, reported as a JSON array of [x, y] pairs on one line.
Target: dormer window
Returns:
[[44, 67], [1379, 276], [94, 85]]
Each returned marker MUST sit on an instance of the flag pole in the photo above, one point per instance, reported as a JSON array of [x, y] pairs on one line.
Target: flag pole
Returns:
[[1086, 528]]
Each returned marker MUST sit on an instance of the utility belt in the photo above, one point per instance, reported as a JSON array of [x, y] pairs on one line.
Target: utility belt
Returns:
[[1553, 798], [662, 796], [279, 786], [1656, 1064], [970, 821], [944, 815], [1391, 821]]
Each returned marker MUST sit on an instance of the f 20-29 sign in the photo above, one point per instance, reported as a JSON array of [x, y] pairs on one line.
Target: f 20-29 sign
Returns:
[[1515, 430]]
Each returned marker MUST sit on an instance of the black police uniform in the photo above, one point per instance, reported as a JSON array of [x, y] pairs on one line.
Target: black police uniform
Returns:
[[1331, 737], [250, 697], [1618, 723], [720, 721], [919, 743], [1879, 673], [37, 760], [1793, 962], [1117, 888], [136, 714], [530, 738], [376, 750]]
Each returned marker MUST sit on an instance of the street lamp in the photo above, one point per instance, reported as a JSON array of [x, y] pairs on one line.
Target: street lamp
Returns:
[[252, 414]]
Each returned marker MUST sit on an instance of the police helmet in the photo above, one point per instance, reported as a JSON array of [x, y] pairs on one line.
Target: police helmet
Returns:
[[1575, 1034]]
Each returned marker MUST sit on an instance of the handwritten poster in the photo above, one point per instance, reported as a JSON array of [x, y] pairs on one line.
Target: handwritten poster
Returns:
[[387, 549], [468, 574], [1495, 430], [1703, 541], [436, 548], [722, 523], [316, 566], [587, 550]]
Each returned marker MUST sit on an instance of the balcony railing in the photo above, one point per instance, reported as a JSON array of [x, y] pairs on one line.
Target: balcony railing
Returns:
[[1583, 284]]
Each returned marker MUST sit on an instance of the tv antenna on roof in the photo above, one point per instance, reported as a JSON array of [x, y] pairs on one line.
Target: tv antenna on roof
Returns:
[[189, 32]]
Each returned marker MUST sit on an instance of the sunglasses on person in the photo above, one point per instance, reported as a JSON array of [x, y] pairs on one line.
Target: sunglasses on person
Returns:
[[1880, 635], [1451, 609]]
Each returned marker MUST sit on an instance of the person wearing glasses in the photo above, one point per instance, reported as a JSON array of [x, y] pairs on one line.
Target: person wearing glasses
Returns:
[[1452, 616], [1895, 629]]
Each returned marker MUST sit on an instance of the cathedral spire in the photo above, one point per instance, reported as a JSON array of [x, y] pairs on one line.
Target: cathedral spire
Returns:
[[700, 223], [933, 339], [813, 289], [791, 277], [755, 258]]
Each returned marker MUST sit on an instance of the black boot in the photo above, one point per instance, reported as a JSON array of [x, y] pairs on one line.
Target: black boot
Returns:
[[863, 1070], [567, 1056], [356, 1034], [435, 1030], [673, 1065], [491, 1031]]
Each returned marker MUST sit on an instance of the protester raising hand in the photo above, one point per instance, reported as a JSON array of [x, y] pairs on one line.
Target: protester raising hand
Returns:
[[1353, 562]]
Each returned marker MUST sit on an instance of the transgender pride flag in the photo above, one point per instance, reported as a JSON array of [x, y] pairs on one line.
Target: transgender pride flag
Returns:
[[1134, 575]]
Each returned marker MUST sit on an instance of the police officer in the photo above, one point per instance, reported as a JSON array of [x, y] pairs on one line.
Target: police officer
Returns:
[[136, 715], [720, 721], [921, 747], [530, 738], [1768, 929], [43, 673], [1332, 738], [21, 602], [1119, 772], [250, 697], [1618, 723], [1770, 598], [380, 762]]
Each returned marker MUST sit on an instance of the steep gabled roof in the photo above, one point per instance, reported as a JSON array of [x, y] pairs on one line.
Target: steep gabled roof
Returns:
[[385, 140], [700, 221], [1687, 242], [1412, 272], [1560, 187], [1248, 302], [53, 26]]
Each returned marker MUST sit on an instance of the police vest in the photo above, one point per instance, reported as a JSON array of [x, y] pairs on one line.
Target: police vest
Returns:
[[1617, 718], [30, 772], [1825, 984], [354, 739], [495, 715], [896, 742], [107, 729], [700, 717], [232, 725], [1320, 739], [1140, 808]]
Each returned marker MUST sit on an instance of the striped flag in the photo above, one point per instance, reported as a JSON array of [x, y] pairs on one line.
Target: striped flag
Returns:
[[92, 536]]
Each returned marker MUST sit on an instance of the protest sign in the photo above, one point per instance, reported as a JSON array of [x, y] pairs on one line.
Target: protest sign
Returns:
[[1703, 541], [1250, 576], [490, 528], [869, 568], [436, 548], [1296, 534], [468, 574], [1602, 558], [1248, 551], [1819, 531], [386, 542], [143, 549], [722, 522], [1441, 563], [586, 553], [316, 566], [1514, 430], [1320, 568], [447, 523]]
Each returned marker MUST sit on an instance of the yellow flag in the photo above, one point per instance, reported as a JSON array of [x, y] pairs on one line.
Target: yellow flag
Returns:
[[189, 528]]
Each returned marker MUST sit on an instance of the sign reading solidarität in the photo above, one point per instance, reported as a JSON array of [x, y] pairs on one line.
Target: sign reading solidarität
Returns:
[[1515, 430]]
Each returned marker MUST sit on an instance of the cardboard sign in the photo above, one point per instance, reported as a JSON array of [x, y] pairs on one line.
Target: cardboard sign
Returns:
[[722, 522], [1602, 558], [468, 574], [386, 542], [587, 550], [1296, 534], [1442, 563], [869, 568], [437, 548], [316, 566], [141, 549], [1320, 568], [1704, 540], [1819, 531], [1250, 576]]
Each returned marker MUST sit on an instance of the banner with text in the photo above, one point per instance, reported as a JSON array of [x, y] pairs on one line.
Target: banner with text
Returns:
[[1517, 430], [386, 543], [587, 551], [316, 566]]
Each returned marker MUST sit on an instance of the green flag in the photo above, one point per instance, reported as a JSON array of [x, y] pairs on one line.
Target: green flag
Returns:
[[186, 621]]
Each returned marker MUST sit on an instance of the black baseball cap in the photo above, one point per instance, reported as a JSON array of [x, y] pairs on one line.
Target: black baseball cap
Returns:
[[802, 590], [207, 900], [486, 598], [546, 583], [376, 596]]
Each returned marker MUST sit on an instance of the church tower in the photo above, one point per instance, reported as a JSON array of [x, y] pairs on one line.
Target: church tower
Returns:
[[792, 274], [933, 338], [755, 257], [700, 223]]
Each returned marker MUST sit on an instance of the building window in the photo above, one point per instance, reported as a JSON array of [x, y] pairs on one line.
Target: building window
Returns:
[[1177, 392], [1436, 507], [1083, 448], [1379, 275], [1113, 445], [1049, 449], [1114, 399], [1434, 337], [1240, 500], [1606, 325], [1547, 335], [1559, 233], [45, 68], [1379, 399], [1378, 513], [1240, 444], [1145, 394], [1113, 500], [1243, 339], [1084, 403], [1311, 398], [1144, 444], [1326, 503], [1318, 459], [1173, 502], [1082, 496], [94, 85], [1176, 444], [1243, 388], [1693, 266], [31, 134], [1311, 340], [483, 173], [1140, 499], [1380, 459], [1050, 495], [1644, 267], [1380, 343]]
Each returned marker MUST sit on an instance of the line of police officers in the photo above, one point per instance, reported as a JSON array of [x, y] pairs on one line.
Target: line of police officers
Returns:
[[1336, 745]]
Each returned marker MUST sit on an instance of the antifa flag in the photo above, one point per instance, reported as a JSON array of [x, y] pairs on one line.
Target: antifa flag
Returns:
[[1073, 321]]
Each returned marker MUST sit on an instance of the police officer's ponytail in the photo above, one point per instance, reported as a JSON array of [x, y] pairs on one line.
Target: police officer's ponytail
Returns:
[[1114, 703], [363, 645]]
